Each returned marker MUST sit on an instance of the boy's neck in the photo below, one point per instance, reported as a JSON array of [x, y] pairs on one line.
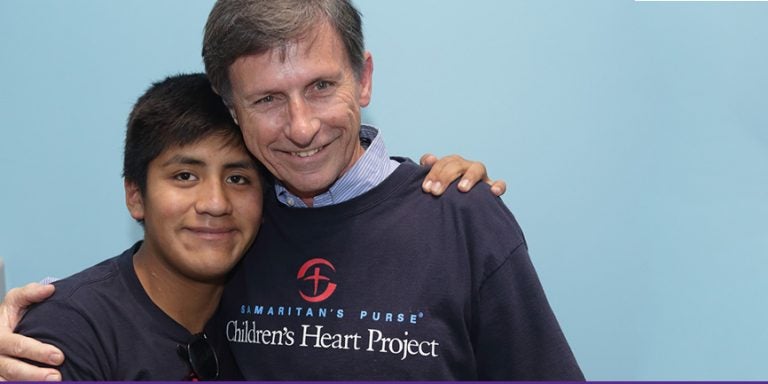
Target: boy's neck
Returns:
[[188, 302]]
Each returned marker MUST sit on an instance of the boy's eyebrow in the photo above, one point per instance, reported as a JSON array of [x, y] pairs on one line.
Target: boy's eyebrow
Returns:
[[246, 164], [181, 159]]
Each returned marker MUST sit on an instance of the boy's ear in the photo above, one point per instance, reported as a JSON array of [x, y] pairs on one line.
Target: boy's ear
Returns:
[[133, 200]]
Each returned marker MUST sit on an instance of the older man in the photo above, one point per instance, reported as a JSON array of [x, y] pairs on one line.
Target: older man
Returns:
[[372, 280], [356, 274]]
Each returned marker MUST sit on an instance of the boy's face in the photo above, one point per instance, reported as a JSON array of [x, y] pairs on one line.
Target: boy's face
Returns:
[[201, 209]]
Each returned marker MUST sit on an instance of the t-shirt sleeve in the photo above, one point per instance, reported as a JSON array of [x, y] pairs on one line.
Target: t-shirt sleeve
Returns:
[[60, 324], [518, 336], [514, 330]]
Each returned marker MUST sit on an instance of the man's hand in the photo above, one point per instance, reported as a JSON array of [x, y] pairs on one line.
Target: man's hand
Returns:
[[447, 169], [14, 347]]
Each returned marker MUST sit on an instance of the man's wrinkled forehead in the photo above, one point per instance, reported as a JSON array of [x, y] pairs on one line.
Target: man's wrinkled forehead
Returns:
[[300, 44]]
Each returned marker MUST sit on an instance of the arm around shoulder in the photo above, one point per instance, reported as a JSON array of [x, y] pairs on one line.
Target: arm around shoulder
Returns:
[[14, 347], [62, 325]]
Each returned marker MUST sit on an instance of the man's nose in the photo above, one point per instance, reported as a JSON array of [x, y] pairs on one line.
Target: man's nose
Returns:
[[303, 126]]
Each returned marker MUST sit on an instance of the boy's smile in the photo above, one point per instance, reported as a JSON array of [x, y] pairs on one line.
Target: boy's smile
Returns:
[[201, 210]]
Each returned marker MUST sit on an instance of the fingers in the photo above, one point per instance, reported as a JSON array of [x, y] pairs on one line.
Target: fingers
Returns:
[[427, 160], [15, 370], [498, 187], [18, 299], [444, 171], [14, 347], [447, 169], [29, 294], [478, 172], [475, 172]]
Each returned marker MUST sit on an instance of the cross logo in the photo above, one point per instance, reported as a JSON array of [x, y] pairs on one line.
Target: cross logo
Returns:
[[315, 277]]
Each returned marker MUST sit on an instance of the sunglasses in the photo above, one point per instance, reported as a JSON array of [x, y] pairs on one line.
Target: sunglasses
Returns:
[[201, 357]]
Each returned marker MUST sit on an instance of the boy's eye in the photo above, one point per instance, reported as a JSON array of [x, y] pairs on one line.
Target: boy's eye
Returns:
[[185, 176], [237, 179]]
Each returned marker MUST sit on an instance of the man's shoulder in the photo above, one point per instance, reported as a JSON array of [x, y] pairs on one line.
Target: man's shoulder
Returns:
[[479, 195], [478, 210], [410, 176]]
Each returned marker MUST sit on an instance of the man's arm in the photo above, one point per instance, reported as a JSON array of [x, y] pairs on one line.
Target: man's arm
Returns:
[[14, 347], [515, 334], [449, 168]]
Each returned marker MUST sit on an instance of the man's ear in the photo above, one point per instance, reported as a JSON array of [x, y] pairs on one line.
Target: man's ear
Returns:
[[228, 104], [134, 200], [366, 80], [231, 109], [233, 114]]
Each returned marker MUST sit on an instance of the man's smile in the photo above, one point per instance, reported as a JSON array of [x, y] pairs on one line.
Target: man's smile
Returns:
[[310, 152]]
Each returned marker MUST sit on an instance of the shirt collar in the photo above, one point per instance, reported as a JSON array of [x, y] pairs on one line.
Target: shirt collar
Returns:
[[370, 170]]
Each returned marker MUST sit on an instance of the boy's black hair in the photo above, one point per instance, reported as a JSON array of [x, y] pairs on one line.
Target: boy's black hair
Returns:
[[177, 111]]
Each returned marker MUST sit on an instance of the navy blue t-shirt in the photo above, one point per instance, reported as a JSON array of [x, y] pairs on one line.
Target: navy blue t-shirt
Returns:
[[109, 328], [393, 285]]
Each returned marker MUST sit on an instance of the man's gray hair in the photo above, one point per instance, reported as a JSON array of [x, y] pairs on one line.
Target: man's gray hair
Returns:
[[238, 28]]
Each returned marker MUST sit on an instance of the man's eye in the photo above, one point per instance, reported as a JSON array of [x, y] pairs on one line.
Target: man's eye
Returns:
[[322, 84], [185, 176], [237, 179], [265, 99]]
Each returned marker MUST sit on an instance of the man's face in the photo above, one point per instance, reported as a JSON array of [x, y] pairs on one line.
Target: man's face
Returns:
[[201, 209], [299, 110]]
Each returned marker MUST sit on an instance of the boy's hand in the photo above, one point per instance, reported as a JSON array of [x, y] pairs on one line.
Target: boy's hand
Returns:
[[449, 168]]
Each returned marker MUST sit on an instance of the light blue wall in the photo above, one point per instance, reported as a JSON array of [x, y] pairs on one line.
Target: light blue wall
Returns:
[[633, 136]]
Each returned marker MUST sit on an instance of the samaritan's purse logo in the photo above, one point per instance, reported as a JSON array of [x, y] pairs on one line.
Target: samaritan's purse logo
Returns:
[[313, 267]]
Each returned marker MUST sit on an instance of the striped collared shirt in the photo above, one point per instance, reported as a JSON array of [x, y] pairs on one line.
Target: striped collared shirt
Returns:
[[370, 170]]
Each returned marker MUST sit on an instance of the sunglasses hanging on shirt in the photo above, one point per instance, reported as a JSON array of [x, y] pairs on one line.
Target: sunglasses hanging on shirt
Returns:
[[201, 357]]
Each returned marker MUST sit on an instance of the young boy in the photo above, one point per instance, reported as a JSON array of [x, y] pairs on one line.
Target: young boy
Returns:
[[192, 184]]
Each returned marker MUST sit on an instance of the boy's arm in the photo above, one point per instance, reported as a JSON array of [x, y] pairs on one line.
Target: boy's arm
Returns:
[[14, 347], [449, 168]]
